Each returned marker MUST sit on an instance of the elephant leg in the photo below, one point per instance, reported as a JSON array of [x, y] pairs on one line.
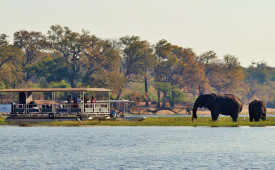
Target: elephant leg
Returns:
[[234, 117], [214, 115], [251, 119], [257, 119]]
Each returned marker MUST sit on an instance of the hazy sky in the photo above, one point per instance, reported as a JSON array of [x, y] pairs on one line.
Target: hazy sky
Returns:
[[244, 28]]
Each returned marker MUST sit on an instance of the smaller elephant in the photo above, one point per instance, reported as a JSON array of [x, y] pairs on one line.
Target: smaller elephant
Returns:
[[257, 110]]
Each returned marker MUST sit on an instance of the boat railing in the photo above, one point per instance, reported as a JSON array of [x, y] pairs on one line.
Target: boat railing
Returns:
[[64, 108]]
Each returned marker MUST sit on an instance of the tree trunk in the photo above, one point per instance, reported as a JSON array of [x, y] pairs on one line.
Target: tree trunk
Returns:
[[201, 90], [28, 76], [164, 101], [146, 91], [117, 98], [72, 82], [158, 104], [14, 84], [119, 94]]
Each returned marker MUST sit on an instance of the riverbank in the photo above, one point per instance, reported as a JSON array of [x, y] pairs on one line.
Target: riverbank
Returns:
[[179, 109], [155, 121]]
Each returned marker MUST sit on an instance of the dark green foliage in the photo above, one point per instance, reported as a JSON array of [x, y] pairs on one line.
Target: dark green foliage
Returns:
[[260, 81], [70, 44], [172, 94], [259, 72], [51, 69], [3, 40], [271, 103]]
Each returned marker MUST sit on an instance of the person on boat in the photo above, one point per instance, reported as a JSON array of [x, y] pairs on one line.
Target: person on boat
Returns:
[[69, 99], [78, 101], [86, 101], [113, 113], [32, 104], [75, 103], [93, 101]]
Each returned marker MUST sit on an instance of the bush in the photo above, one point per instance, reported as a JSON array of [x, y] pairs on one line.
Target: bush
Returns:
[[173, 94], [154, 102], [271, 104], [135, 96]]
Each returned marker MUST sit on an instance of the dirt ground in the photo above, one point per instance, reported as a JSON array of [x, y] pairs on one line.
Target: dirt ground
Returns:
[[141, 109]]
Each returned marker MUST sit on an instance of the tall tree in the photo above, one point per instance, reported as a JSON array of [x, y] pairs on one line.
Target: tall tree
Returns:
[[49, 69], [102, 65], [188, 72], [11, 59], [31, 43], [258, 79], [229, 76], [70, 44], [137, 58], [165, 69], [209, 62], [178, 68]]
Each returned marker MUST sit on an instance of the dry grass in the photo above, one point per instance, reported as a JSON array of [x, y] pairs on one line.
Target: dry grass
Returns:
[[158, 121]]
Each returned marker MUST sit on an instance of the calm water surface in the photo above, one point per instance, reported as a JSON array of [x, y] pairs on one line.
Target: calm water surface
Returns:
[[137, 148]]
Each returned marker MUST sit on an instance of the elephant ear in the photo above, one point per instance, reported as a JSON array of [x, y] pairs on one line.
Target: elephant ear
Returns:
[[210, 100]]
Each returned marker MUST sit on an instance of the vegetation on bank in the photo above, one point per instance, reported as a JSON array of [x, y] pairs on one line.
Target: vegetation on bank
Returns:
[[157, 121], [2, 121]]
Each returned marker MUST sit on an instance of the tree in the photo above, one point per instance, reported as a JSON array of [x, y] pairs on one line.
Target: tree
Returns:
[[176, 66], [137, 58], [11, 59], [102, 65], [48, 68], [188, 73], [228, 76], [258, 72], [209, 62], [3, 40], [258, 79], [31, 43], [71, 45], [223, 75], [165, 62]]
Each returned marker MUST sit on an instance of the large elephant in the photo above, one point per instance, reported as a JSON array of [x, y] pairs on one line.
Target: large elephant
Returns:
[[257, 110], [226, 104]]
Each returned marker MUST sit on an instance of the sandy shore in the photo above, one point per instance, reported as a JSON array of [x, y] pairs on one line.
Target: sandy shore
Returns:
[[200, 111]]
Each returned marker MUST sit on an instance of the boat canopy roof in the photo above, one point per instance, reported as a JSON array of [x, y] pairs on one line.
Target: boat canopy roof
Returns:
[[58, 90]]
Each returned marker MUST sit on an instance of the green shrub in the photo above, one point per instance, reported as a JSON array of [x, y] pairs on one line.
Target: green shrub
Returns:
[[135, 96], [271, 103]]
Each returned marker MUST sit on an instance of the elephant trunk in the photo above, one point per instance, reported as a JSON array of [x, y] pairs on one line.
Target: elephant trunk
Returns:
[[194, 115], [264, 116]]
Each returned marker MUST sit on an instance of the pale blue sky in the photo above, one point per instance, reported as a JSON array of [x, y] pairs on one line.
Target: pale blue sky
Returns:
[[244, 28]]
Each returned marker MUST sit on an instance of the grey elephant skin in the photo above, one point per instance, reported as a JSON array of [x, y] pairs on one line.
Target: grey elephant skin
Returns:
[[257, 110], [226, 104]]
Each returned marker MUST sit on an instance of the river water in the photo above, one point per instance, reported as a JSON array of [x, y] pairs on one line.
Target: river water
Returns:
[[137, 148]]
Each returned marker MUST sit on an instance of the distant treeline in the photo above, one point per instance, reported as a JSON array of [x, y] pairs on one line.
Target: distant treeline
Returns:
[[64, 58]]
